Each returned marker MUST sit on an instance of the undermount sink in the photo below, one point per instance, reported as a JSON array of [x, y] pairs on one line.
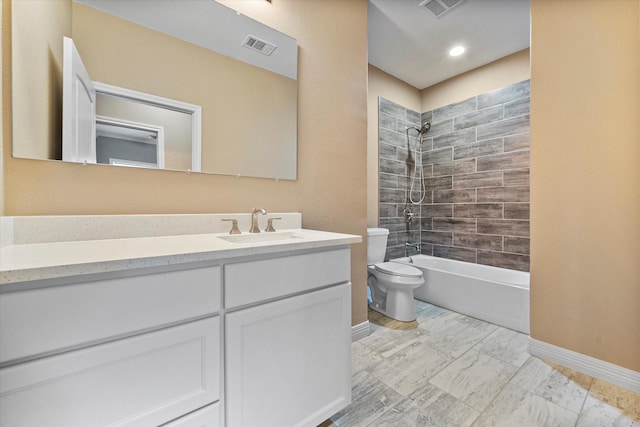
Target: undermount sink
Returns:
[[262, 237]]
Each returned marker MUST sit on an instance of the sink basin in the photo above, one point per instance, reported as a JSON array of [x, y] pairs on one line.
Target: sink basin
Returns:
[[261, 237]]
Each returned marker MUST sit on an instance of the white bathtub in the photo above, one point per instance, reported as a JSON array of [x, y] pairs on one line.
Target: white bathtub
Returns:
[[493, 294]]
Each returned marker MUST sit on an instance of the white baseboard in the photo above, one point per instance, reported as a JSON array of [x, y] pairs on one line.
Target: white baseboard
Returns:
[[586, 364], [360, 331]]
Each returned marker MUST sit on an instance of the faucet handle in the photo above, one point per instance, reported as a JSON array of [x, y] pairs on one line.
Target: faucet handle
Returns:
[[270, 225], [234, 226]]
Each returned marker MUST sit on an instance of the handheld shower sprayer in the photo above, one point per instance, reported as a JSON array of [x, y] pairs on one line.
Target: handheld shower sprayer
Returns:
[[418, 173]]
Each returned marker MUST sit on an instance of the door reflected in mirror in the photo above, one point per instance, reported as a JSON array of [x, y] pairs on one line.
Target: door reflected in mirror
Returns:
[[139, 116]]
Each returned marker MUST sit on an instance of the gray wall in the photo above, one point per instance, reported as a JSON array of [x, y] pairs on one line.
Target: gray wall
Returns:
[[476, 164]]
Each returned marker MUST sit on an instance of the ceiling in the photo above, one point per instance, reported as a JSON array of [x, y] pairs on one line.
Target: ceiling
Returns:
[[409, 42]]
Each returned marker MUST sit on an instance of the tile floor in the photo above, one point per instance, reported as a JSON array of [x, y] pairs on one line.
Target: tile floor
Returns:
[[447, 369]]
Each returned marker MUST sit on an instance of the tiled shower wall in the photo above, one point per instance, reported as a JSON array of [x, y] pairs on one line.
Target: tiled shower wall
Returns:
[[395, 167], [476, 164]]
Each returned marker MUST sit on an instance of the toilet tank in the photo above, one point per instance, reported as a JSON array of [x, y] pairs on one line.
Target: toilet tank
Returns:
[[376, 244]]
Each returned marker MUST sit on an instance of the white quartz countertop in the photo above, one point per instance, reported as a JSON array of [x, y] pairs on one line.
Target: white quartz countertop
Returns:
[[37, 261]]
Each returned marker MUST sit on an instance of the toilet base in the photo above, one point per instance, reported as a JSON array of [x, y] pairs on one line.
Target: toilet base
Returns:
[[400, 305]]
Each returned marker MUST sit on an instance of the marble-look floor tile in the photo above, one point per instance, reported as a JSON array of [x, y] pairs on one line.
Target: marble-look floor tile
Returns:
[[515, 406], [410, 367], [391, 343], [454, 335], [362, 357], [370, 398], [561, 386], [474, 378], [454, 370], [506, 345], [442, 409], [597, 412], [404, 414]]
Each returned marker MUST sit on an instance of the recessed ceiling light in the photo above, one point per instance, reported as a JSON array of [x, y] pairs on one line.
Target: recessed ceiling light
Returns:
[[457, 51]]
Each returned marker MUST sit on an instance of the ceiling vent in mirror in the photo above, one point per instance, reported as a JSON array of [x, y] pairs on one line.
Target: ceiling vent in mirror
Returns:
[[254, 43], [440, 7]]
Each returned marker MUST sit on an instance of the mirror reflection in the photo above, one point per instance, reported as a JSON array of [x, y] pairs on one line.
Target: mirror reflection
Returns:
[[248, 123]]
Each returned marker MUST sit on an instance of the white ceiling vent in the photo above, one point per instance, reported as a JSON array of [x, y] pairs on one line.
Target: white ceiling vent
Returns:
[[254, 43], [440, 7]]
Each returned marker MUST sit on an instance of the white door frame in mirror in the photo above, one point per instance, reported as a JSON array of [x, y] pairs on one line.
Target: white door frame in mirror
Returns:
[[157, 131], [194, 110]]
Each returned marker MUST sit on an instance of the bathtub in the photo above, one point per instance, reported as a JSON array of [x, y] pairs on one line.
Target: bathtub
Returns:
[[493, 294]]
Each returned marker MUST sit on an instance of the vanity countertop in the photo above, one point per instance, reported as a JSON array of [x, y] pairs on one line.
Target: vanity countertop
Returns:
[[38, 261]]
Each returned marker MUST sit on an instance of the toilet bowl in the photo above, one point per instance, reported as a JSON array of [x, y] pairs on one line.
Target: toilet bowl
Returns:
[[391, 284]]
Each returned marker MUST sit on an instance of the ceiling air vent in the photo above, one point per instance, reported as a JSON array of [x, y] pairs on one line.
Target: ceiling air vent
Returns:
[[440, 7], [254, 43]]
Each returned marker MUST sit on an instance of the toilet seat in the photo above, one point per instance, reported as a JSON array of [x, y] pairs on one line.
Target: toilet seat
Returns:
[[398, 269]]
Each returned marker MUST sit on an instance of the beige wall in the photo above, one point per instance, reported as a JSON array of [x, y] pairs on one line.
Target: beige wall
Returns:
[[498, 74], [37, 65], [585, 198], [331, 187], [386, 86]]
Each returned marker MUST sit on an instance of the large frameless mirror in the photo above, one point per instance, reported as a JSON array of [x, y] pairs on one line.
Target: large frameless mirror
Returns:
[[240, 75]]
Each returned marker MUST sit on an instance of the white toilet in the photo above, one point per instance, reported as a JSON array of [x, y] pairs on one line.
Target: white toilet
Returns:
[[391, 284]]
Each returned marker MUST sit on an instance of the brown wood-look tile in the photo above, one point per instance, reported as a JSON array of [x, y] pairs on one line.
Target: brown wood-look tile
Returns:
[[437, 211], [518, 245], [479, 117], [505, 227], [504, 194], [454, 196], [504, 260], [516, 210], [457, 167], [480, 179], [516, 177], [437, 238], [477, 210], [512, 160], [482, 148], [477, 241], [517, 142], [457, 225], [438, 183], [453, 139]]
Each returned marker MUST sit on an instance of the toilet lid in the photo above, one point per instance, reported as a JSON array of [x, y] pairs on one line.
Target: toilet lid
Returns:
[[398, 269]]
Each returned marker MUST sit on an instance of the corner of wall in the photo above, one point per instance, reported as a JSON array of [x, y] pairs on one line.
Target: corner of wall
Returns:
[[5, 41]]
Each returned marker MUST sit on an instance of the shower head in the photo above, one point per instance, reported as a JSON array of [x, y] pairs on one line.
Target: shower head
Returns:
[[422, 130]]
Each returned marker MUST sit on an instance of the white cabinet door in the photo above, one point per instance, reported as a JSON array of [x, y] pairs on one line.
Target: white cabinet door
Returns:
[[209, 416], [288, 361], [144, 380]]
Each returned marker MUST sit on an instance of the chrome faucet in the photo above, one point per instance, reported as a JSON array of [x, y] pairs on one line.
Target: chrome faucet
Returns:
[[254, 220], [407, 245]]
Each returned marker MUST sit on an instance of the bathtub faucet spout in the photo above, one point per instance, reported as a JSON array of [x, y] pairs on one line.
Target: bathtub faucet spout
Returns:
[[408, 245]]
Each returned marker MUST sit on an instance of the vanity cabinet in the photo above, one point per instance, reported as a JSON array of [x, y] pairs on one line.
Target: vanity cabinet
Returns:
[[287, 361], [241, 341], [140, 350]]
